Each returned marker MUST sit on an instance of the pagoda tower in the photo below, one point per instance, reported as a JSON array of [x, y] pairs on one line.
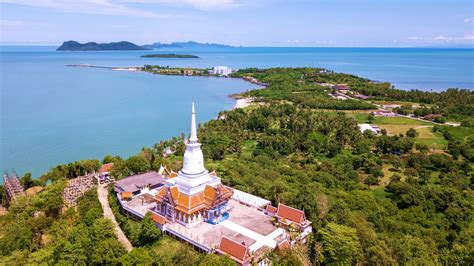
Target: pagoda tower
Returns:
[[194, 194]]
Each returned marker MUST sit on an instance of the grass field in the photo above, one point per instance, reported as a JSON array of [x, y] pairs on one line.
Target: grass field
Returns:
[[379, 193], [400, 103], [389, 120], [400, 125]]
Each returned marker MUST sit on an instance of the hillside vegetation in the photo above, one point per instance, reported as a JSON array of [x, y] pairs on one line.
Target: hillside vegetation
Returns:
[[375, 200]]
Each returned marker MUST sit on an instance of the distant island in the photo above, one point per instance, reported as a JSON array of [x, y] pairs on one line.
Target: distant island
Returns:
[[124, 45], [189, 44], [93, 46], [169, 56]]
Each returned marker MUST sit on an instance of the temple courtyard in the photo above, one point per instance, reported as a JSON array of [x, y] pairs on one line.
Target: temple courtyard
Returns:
[[246, 224]]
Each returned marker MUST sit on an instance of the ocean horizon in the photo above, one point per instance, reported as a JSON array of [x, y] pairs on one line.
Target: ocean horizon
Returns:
[[53, 114]]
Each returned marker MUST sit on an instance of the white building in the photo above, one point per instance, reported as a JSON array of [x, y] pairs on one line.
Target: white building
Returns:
[[373, 129], [221, 70]]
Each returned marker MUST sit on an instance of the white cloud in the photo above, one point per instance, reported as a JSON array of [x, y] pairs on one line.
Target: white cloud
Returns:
[[440, 39], [467, 20], [10, 23], [100, 7], [197, 4]]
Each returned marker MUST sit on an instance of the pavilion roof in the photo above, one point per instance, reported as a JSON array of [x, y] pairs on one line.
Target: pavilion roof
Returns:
[[285, 244], [271, 209], [195, 202], [235, 250], [157, 218], [290, 213], [135, 182], [106, 167]]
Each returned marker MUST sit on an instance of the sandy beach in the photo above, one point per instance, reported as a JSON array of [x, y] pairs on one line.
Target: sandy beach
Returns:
[[125, 69], [242, 103]]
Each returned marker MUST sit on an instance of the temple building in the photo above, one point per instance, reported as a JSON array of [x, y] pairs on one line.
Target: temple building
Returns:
[[194, 195], [192, 205]]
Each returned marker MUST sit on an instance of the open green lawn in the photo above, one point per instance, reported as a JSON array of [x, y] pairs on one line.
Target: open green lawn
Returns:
[[400, 125], [248, 147], [434, 140], [460, 133], [400, 103], [379, 193], [383, 120]]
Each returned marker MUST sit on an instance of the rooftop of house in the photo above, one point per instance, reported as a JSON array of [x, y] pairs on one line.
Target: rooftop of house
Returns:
[[271, 209], [107, 167], [157, 218], [290, 213], [135, 182], [195, 202], [235, 250], [285, 244]]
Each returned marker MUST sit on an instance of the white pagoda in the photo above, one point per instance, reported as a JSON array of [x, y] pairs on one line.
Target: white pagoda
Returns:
[[194, 195]]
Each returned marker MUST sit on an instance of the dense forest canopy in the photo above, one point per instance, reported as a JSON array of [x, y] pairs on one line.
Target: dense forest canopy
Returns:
[[385, 199]]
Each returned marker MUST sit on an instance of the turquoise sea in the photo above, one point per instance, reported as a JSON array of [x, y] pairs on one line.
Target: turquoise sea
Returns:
[[52, 114]]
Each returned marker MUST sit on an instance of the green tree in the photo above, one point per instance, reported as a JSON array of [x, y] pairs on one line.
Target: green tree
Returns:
[[107, 252], [102, 229], [412, 133], [340, 244], [370, 118], [111, 159], [137, 164], [216, 260], [149, 232], [138, 256], [421, 147]]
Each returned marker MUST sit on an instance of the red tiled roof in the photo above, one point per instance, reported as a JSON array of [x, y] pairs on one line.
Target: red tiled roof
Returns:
[[289, 213], [158, 218], [285, 244], [235, 250], [106, 167], [126, 195], [271, 209]]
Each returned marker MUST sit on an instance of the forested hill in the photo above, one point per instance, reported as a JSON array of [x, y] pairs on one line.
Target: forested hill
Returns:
[[93, 46], [188, 44], [403, 198]]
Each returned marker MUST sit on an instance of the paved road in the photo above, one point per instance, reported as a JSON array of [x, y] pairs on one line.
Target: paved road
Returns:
[[103, 193]]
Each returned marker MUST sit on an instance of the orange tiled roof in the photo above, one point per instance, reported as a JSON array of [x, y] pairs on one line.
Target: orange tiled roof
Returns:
[[289, 213], [285, 244], [196, 202], [106, 167], [210, 195], [226, 192], [174, 192], [271, 209], [235, 250], [161, 194], [126, 194], [158, 218], [173, 174], [190, 203]]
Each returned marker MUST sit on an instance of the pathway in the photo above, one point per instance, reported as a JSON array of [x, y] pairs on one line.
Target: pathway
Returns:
[[103, 193]]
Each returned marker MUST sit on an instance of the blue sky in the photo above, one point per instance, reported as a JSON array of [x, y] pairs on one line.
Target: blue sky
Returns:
[[384, 23]]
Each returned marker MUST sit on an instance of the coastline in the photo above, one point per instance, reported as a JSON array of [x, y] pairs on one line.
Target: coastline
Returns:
[[242, 103]]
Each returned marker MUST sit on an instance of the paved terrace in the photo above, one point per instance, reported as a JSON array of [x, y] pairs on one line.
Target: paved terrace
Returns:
[[141, 203], [245, 224]]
